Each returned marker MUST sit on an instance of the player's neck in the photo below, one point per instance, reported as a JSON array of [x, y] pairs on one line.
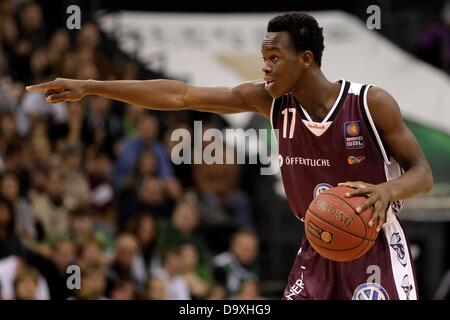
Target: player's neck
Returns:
[[316, 94]]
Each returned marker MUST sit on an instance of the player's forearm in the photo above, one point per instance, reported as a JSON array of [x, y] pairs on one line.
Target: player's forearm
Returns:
[[152, 94], [416, 180]]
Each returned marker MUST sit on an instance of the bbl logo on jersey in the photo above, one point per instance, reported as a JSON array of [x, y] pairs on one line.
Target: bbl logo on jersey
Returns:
[[370, 291], [395, 243], [352, 135], [321, 187]]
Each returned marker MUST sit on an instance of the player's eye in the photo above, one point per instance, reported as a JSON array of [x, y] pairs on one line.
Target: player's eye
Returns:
[[274, 58]]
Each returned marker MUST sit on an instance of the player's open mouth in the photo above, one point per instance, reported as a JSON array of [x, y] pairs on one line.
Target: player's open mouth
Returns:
[[269, 84]]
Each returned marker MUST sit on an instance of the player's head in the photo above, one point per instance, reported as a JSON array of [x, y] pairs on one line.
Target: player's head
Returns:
[[293, 43]]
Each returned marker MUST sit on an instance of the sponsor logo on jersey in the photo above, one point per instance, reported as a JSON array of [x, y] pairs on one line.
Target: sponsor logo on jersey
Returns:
[[396, 244], [407, 287], [315, 125], [352, 135], [370, 291], [288, 160], [355, 160], [339, 215], [321, 187], [319, 233]]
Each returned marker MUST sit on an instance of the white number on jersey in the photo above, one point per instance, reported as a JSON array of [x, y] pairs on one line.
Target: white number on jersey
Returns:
[[285, 121]]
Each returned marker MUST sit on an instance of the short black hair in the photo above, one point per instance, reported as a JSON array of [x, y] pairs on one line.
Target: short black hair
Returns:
[[304, 31]]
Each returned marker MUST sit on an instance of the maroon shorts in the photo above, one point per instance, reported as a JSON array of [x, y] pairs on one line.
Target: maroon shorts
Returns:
[[385, 272]]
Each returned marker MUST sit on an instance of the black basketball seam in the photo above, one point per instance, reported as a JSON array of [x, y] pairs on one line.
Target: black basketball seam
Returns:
[[362, 238], [360, 254], [354, 257], [345, 201]]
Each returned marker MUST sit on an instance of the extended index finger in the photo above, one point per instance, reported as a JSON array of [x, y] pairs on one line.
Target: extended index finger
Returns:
[[42, 86]]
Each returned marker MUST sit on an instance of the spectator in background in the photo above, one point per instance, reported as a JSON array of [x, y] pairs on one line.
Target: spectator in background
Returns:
[[90, 253], [69, 133], [233, 267], [250, 290], [25, 224], [198, 277], [145, 227], [50, 207], [52, 262], [29, 34], [176, 287], [222, 201], [98, 169], [224, 207], [433, 43], [147, 133], [151, 197], [82, 228], [130, 119], [124, 265], [8, 40], [40, 148], [147, 165], [156, 289], [217, 292], [35, 107], [68, 65], [124, 290], [10, 91], [10, 244], [176, 121], [74, 179], [93, 284], [57, 45], [26, 284], [13, 267], [8, 131], [101, 127], [15, 161], [87, 45], [183, 228], [63, 253]]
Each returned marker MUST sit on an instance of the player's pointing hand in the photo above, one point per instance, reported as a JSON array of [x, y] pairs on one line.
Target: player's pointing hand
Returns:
[[60, 90], [377, 197]]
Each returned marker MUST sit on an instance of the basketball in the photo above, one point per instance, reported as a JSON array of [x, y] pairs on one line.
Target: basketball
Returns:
[[334, 228]]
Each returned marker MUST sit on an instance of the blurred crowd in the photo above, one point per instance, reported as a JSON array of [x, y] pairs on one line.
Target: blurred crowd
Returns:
[[91, 184]]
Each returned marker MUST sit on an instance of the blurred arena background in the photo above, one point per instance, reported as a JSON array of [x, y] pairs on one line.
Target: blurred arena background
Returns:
[[92, 184]]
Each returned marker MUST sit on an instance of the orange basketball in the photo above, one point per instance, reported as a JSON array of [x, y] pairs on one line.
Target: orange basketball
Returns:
[[334, 228]]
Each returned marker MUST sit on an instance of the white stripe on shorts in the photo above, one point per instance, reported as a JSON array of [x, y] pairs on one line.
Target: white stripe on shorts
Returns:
[[401, 262]]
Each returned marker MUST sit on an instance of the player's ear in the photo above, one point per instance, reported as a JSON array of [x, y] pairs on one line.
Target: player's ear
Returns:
[[306, 59]]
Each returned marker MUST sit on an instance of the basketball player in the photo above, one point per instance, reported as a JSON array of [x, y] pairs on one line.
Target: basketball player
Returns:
[[340, 133]]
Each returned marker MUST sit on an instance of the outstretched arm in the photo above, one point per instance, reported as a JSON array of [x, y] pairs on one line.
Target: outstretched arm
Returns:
[[405, 149], [163, 94]]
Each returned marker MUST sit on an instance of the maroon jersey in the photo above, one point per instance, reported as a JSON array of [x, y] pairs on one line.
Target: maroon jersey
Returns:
[[345, 146], [315, 156]]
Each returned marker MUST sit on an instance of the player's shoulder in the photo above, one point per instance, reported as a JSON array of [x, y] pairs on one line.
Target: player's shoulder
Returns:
[[378, 95], [383, 108]]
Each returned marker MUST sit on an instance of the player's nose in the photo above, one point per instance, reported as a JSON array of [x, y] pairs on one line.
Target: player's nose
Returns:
[[266, 69]]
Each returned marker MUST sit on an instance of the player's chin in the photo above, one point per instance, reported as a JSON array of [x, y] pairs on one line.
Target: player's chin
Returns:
[[274, 92]]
